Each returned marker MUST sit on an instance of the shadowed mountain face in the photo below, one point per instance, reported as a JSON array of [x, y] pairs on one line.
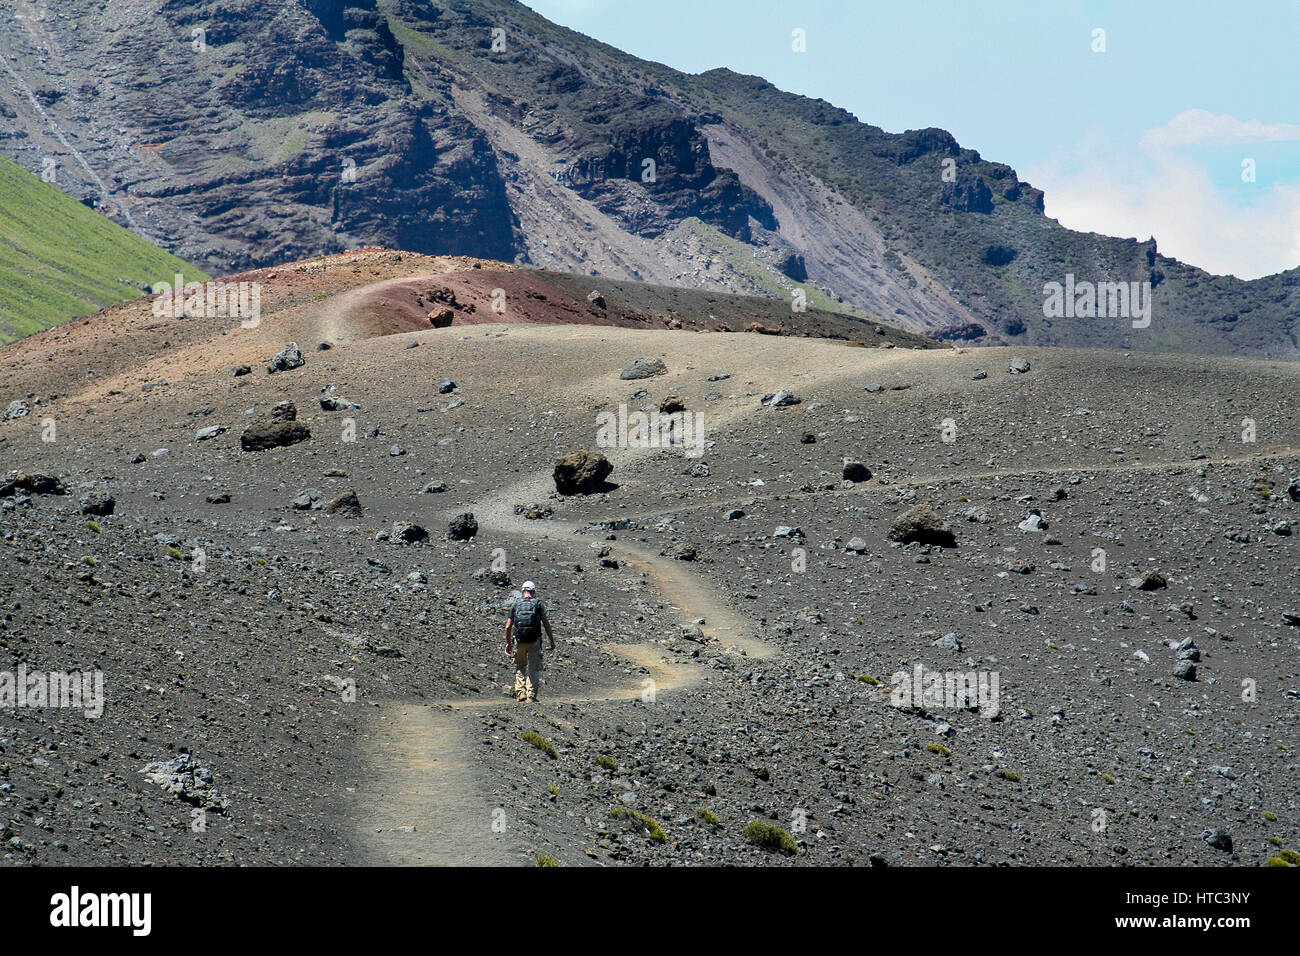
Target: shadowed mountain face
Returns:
[[238, 134]]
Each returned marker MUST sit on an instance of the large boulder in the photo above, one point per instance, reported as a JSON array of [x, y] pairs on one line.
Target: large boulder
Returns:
[[289, 357], [273, 435], [922, 524], [643, 368], [17, 481], [582, 473], [98, 503], [346, 505], [462, 527], [856, 470]]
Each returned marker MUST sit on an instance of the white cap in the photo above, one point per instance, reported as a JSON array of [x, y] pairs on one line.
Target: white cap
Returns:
[[528, 586]]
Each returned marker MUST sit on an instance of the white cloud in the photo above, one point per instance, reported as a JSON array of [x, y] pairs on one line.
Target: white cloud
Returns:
[[1157, 191], [1203, 128]]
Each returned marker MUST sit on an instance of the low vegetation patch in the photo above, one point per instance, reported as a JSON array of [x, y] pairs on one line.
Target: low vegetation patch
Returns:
[[540, 742], [708, 816], [770, 837], [648, 825], [609, 763]]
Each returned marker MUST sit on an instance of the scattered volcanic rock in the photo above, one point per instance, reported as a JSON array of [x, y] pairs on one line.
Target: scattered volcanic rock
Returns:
[[98, 503], [1220, 839], [284, 412], [346, 505], [17, 409], [921, 524], [643, 368], [1151, 581], [183, 776], [408, 532], [581, 473], [672, 404], [209, 432], [856, 470], [16, 481], [462, 527], [273, 435], [781, 399], [1018, 366], [289, 357]]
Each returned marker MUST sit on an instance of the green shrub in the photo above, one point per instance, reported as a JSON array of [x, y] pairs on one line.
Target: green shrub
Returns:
[[868, 679], [708, 816], [939, 749], [650, 825], [1277, 861], [1270, 817], [609, 763], [1291, 856], [540, 742], [770, 837], [544, 860], [1009, 775], [94, 526]]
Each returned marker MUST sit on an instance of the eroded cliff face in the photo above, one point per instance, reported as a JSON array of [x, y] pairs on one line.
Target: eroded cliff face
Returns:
[[241, 134]]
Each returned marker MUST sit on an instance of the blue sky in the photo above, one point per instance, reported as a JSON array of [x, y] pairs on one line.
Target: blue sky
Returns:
[[1148, 137]]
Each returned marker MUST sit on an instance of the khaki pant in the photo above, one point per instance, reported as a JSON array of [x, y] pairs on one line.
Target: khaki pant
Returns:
[[528, 670]]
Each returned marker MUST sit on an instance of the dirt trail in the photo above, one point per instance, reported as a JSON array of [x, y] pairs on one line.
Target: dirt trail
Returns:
[[424, 802]]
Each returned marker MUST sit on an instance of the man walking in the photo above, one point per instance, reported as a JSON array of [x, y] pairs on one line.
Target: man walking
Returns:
[[524, 626]]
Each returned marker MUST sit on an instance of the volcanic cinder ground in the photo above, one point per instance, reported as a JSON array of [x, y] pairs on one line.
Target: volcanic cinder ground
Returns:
[[347, 693]]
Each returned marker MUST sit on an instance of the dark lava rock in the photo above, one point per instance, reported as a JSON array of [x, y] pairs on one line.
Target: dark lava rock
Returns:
[[408, 533], [16, 481], [434, 488], [1185, 670], [808, 438], [243, 370], [209, 432], [273, 435], [447, 386], [17, 409], [98, 503], [855, 470], [1151, 581], [922, 524], [581, 473], [1018, 366], [219, 498], [307, 499], [781, 399], [346, 505], [462, 527], [289, 357], [672, 404], [284, 412], [643, 368], [1220, 839]]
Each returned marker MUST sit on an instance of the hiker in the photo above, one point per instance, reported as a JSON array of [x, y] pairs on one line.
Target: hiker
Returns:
[[527, 618]]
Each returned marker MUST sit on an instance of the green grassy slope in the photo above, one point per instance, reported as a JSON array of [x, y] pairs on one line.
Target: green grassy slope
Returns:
[[59, 259]]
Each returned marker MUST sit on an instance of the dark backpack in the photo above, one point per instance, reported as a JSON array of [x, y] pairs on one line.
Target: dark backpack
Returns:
[[527, 615]]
